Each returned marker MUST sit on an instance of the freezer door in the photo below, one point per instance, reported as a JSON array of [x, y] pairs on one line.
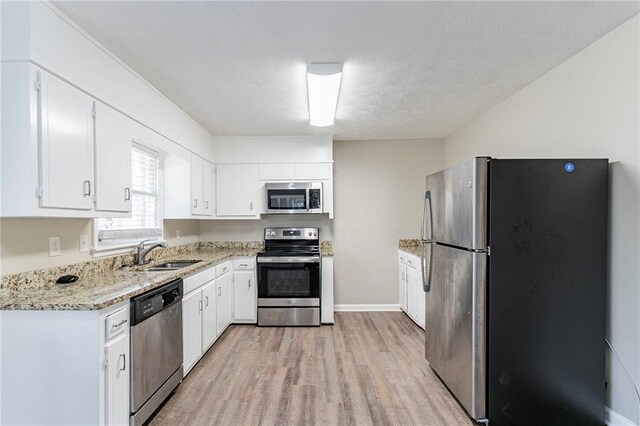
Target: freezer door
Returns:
[[455, 324], [455, 205]]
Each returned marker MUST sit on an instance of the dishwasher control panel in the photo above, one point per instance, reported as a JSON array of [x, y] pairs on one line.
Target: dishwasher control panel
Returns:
[[148, 304]]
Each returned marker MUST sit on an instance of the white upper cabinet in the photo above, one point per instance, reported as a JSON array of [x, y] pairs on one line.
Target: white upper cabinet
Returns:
[[66, 145], [271, 172], [237, 190], [197, 185], [113, 137], [209, 188], [313, 171], [202, 186]]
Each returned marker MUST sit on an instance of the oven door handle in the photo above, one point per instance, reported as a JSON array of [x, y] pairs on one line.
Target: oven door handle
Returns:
[[301, 259]]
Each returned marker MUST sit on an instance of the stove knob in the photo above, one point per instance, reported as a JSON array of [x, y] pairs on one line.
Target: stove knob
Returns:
[[309, 233], [315, 234]]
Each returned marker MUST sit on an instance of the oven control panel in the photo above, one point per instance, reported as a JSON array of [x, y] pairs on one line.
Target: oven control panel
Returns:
[[291, 233]]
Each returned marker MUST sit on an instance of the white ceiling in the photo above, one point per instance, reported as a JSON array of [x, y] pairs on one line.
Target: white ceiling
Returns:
[[411, 69]]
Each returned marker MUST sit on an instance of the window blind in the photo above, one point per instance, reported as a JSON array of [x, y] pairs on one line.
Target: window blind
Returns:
[[145, 221]]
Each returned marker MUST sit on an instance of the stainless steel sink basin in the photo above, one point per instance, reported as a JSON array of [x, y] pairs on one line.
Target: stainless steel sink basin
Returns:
[[173, 266]]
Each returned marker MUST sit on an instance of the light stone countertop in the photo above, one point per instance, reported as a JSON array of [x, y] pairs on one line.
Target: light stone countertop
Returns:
[[410, 246], [103, 283]]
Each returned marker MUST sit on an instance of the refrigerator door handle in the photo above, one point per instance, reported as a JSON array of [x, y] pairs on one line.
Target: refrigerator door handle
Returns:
[[427, 199], [426, 277]]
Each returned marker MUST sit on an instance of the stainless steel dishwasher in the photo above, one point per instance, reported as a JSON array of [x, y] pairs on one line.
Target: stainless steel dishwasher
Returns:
[[156, 348]]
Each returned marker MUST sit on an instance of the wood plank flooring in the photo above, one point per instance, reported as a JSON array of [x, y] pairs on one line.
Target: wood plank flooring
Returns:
[[367, 369]]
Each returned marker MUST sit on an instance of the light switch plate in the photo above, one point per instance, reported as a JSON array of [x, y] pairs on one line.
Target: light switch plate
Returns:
[[84, 243], [54, 246]]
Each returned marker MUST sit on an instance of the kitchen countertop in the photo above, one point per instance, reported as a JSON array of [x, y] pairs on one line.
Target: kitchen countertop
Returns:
[[410, 246], [103, 282]]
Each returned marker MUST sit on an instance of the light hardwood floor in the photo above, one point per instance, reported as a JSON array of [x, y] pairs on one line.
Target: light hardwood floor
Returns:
[[367, 369]]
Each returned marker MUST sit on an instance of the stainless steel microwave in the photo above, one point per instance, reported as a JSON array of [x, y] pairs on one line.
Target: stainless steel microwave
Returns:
[[294, 197]]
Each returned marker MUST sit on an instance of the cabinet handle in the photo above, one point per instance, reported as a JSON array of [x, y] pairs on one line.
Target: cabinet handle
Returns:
[[206, 301], [87, 188], [124, 362], [118, 324], [249, 282], [200, 306], [403, 276], [206, 205], [195, 202], [219, 291], [224, 269], [251, 206], [127, 194]]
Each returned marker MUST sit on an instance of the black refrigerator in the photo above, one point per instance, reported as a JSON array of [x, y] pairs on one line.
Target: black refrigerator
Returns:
[[514, 265]]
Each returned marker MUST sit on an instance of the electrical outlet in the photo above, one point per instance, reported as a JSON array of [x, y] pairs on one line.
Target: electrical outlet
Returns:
[[54, 246], [177, 234], [84, 243]]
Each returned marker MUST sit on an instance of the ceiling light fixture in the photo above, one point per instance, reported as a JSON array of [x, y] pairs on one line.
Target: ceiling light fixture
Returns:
[[323, 85]]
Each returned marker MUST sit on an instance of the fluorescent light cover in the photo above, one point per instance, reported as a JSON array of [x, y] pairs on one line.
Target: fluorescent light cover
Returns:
[[323, 83]]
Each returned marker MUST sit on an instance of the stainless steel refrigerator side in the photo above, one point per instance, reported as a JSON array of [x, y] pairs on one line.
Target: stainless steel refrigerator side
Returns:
[[480, 187], [479, 337]]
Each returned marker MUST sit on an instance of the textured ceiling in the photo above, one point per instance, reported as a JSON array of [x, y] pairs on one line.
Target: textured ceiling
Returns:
[[411, 69]]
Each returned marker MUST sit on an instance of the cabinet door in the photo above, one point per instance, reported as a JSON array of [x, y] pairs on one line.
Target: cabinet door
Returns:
[[224, 288], [420, 297], [209, 186], [237, 189], [191, 329], [197, 185], [117, 381], [66, 146], [313, 171], [412, 302], [402, 289], [244, 296], [209, 315], [113, 133]]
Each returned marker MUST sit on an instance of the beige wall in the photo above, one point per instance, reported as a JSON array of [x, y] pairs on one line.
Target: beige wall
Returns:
[[25, 242], [377, 199], [586, 107]]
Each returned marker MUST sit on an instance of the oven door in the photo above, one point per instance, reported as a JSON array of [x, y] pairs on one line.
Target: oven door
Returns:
[[285, 282]]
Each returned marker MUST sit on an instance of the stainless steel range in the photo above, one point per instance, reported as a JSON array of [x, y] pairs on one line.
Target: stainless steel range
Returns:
[[289, 277]]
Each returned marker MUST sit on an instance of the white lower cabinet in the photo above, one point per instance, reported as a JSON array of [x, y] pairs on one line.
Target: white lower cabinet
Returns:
[[245, 291], [412, 297], [191, 329], [207, 311], [209, 315], [224, 300], [83, 377], [326, 297], [117, 378]]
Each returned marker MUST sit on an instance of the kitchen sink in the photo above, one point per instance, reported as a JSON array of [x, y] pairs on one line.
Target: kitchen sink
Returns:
[[173, 266]]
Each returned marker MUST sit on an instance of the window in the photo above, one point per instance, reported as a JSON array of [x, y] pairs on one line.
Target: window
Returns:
[[144, 222]]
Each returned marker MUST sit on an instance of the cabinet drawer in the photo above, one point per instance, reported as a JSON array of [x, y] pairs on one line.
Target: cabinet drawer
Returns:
[[194, 281], [223, 268], [413, 261], [116, 323], [241, 264], [403, 258]]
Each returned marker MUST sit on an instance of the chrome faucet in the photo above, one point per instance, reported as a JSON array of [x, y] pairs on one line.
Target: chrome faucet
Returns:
[[142, 252]]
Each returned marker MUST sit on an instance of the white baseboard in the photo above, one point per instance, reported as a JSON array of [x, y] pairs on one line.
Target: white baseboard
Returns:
[[366, 308], [613, 418]]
